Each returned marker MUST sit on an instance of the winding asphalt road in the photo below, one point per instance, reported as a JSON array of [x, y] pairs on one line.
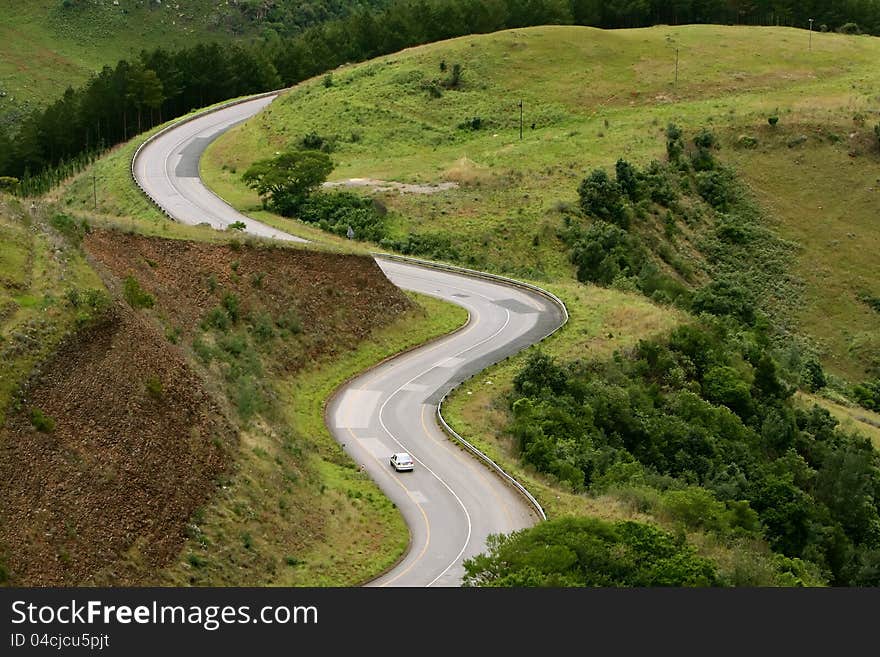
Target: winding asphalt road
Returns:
[[451, 501]]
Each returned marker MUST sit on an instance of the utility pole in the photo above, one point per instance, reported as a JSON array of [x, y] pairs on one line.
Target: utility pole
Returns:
[[811, 34], [520, 120], [95, 188]]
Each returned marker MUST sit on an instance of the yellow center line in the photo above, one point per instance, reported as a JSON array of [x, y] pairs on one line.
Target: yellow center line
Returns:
[[413, 500]]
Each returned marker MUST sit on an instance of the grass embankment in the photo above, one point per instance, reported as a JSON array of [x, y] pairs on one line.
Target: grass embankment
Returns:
[[46, 47], [347, 531], [594, 96], [38, 270]]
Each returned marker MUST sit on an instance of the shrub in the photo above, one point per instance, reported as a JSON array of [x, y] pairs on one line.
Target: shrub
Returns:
[[602, 197], [335, 212], [867, 395], [813, 376], [849, 28], [236, 225], [746, 141], [135, 295], [41, 422], [718, 188], [725, 297], [627, 179], [8, 184], [581, 552], [290, 322], [877, 133], [69, 227], [217, 318], [773, 120], [606, 252], [154, 387], [474, 123], [328, 81], [674, 143], [231, 305]]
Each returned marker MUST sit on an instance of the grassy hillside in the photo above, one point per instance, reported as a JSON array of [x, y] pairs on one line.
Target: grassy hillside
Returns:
[[590, 97], [48, 45]]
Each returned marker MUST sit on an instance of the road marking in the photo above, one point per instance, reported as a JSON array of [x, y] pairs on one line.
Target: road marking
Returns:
[[450, 362], [415, 387], [356, 408], [418, 496]]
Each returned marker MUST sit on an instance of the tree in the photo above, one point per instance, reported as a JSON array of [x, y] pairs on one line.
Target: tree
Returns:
[[286, 181]]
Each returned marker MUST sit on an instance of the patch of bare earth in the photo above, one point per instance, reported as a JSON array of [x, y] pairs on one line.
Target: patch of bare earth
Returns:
[[136, 447]]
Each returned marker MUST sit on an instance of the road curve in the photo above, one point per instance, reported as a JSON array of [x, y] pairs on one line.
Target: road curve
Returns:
[[451, 502]]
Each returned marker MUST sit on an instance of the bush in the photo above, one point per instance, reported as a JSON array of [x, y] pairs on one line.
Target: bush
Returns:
[[813, 375], [582, 552], [603, 198], [429, 245], [718, 188], [725, 297], [674, 143], [867, 395], [475, 123], [72, 229], [877, 133], [8, 184], [627, 179], [41, 422], [747, 142], [773, 120], [135, 295], [336, 212], [606, 252], [849, 28], [154, 387]]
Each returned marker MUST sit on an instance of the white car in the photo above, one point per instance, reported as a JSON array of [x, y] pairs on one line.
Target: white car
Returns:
[[402, 461]]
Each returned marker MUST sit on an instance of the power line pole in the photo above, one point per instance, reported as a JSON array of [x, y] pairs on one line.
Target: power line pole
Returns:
[[520, 120]]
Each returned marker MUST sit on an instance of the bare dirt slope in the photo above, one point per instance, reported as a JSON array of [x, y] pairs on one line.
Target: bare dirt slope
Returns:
[[136, 448]]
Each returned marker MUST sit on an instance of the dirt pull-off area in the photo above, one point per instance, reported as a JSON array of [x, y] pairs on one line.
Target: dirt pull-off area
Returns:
[[103, 496]]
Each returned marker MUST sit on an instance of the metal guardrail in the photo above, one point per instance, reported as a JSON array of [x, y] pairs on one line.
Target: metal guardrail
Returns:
[[443, 423], [177, 123]]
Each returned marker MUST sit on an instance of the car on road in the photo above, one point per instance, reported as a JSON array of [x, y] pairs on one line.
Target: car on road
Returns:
[[402, 461]]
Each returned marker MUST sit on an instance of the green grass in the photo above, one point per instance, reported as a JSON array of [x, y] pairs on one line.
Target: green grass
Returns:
[[595, 96], [825, 200], [44, 47], [310, 516], [38, 272]]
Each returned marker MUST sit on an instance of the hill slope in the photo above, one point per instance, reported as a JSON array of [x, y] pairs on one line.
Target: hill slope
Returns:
[[591, 97]]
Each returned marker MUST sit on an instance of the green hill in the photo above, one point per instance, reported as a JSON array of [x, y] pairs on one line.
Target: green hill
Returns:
[[589, 98]]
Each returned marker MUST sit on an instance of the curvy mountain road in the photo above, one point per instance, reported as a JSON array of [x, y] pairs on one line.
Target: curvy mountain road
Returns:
[[451, 501]]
